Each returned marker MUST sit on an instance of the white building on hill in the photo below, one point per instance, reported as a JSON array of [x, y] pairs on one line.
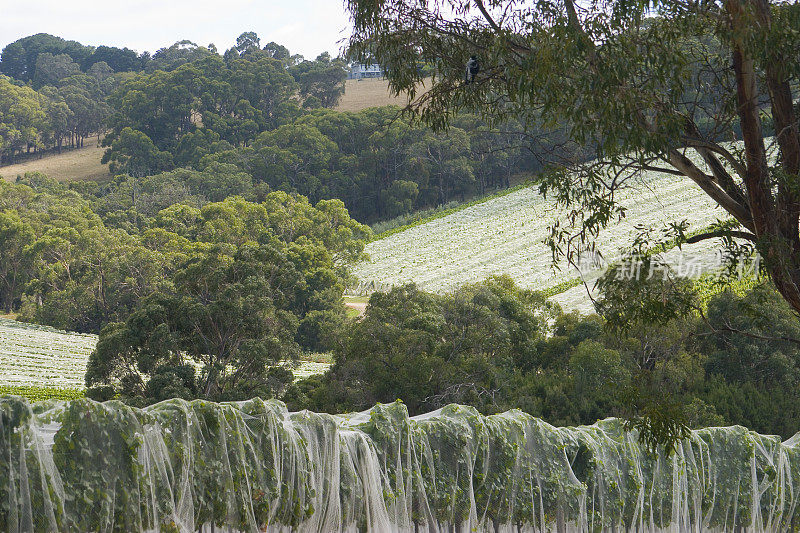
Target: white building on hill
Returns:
[[359, 71]]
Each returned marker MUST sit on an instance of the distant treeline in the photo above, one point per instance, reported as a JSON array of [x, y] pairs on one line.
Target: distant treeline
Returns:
[[54, 89], [257, 108]]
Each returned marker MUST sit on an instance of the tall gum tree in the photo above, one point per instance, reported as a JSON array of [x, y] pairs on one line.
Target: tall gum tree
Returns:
[[631, 86]]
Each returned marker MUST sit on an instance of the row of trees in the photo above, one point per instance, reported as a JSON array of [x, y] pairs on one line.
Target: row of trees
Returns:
[[496, 347], [20, 59], [381, 165], [74, 82], [60, 114], [243, 110]]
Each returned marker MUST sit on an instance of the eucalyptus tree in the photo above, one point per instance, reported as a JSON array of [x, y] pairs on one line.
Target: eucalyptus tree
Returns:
[[22, 118], [19, 58], [227, 315], [51, 69], [641, 85], [322, 79], [15, 236], [445, 159], [59, 116], [118, 59]]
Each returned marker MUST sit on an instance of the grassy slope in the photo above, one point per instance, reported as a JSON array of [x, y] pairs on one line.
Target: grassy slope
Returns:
[[362, 94], [371, 92], [81, 164]]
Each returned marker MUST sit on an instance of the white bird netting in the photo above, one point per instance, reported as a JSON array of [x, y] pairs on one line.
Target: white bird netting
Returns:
[[252, 466]]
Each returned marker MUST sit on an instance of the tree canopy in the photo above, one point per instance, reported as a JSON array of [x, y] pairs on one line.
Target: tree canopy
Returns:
[[497, 347]]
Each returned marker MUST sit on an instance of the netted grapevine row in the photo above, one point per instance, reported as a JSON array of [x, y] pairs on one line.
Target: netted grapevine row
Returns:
[[253, 466]]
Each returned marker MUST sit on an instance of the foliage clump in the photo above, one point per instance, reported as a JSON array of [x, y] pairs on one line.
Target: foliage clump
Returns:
[[496, 347]]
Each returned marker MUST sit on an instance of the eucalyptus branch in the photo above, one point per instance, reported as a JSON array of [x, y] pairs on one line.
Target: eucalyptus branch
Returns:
[[516, 47], [720, 234], [727, 328], [670, 171], [693, 142], [707, 183]]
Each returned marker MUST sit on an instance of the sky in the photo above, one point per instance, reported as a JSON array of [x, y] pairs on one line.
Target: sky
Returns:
[[307, 27]]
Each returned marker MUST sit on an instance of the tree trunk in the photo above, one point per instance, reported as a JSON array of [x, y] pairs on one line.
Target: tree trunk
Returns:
[[9, 299], [774, 219], [788, 200]]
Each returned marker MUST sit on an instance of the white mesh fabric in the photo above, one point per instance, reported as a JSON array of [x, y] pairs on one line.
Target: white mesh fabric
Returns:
[[252, 466]]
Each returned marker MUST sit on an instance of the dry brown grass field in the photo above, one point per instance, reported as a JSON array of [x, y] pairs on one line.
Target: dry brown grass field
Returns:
[[81, 164], [370, 92]]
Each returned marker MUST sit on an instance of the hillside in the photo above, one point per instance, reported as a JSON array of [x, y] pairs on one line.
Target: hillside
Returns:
[[84, 164], [369, 92], [505, 235], [73, 165]]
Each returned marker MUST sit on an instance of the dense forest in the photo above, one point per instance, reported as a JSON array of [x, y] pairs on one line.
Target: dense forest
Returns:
[[260, 109]]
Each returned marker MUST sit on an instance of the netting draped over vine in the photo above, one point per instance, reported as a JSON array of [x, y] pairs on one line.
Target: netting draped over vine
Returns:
[[253, 466]]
